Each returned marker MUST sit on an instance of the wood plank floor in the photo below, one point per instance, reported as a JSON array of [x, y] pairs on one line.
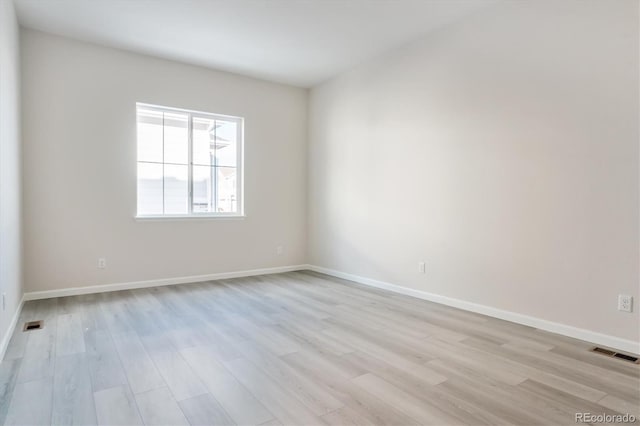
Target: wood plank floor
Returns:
[[296, 349]]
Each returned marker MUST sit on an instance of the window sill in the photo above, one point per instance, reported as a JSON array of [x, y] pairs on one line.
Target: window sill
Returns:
[[188, 218]]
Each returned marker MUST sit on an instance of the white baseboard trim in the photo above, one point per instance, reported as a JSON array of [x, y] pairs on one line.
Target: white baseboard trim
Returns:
[[12, 326], [103, 288], [553, 327]]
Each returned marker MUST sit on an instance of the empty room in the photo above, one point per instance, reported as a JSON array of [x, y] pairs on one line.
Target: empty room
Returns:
[[319, 212]]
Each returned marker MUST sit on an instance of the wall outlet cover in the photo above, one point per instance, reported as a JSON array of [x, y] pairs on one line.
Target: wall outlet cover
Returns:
[[625, 303]]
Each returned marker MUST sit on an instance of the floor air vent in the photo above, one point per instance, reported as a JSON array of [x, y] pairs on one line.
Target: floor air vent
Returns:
[[627, 357], [33, 325], [615, 354]]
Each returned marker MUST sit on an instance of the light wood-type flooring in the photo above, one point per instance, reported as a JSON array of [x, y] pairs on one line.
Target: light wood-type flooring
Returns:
[[298, 348]]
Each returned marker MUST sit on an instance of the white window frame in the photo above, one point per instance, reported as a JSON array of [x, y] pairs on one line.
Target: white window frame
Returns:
[[239, 165]]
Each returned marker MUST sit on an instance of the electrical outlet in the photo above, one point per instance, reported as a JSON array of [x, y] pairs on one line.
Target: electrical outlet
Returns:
[[625, 303], [422, 267], [279, 250], [102, 263]]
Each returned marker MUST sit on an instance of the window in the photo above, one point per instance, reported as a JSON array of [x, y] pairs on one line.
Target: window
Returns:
[[189, 163]]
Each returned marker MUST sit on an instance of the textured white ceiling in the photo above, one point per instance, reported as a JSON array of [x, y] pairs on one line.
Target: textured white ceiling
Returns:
[[298, 42]]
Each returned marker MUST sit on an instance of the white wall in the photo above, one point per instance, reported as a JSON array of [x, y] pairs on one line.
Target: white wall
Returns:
[[80, 168], [503, 151], [10, 203]]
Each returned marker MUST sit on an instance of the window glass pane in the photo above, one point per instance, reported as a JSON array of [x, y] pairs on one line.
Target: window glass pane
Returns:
[[176, 189], [226, 133], [203, 141], [176, 138], [227, 190], [149, 135], [203, 189], [149, 188]]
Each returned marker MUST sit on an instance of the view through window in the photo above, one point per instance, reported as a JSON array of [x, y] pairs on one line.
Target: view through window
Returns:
[[189, 163]]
